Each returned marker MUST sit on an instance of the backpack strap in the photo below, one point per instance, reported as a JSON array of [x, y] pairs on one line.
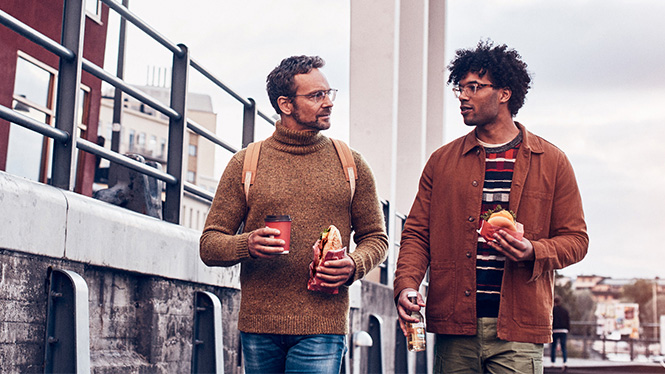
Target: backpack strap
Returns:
[[349, 166], [249, 166], [252, 160]]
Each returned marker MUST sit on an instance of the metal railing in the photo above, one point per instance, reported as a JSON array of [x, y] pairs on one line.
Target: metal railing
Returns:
[[69, 80]]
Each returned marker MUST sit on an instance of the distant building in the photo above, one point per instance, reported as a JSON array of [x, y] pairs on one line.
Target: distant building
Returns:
[[607, 289], [587, 282]]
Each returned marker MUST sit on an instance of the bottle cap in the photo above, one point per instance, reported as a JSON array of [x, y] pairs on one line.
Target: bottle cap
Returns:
[[412, 294]]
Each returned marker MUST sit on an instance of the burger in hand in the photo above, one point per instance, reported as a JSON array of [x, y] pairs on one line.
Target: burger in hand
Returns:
[[497, 219]]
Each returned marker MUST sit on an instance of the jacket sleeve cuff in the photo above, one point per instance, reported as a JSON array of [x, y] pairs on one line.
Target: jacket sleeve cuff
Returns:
[[538, 261]]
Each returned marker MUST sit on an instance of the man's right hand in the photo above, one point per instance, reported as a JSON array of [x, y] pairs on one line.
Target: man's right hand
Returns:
[[262, 244], [405, 307]]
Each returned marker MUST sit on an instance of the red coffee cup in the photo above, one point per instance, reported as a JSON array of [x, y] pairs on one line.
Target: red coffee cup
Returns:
[[283, 224]]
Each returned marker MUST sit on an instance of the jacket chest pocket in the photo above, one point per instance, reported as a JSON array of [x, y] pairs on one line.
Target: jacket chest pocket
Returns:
[[535, 213]]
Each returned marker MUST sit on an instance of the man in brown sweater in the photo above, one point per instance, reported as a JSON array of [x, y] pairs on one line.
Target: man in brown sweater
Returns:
[[285, 327]]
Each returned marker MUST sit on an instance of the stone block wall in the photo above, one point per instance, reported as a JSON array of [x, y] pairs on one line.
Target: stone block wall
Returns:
[[138, 323]]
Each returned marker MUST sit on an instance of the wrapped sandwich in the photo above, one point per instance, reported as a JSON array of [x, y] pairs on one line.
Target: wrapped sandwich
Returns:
[[328, 247]]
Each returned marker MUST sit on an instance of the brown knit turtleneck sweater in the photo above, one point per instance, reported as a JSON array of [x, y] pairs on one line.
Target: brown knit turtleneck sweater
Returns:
[[299, 174]]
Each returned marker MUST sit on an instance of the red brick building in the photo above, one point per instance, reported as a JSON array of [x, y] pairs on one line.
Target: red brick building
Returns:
[[28, 79]]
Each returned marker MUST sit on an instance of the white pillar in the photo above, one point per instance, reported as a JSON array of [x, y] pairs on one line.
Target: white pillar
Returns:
[[436, 75], [412, 100], [373, 87], [397, 70]]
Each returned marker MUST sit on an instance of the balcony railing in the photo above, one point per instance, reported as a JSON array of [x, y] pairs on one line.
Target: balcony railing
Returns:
[[69, 80]]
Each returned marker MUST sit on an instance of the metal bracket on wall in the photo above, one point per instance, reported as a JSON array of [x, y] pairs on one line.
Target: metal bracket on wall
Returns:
[[360, 339], [375, 354], [207, 346], [67, 324]]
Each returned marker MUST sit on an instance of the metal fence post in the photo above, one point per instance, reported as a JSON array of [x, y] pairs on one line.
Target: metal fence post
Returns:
[[248, 123], [69, 80], [177, 127], [120, 73]]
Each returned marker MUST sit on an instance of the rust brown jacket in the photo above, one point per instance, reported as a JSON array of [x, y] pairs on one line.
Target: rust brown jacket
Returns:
[[440, 233]]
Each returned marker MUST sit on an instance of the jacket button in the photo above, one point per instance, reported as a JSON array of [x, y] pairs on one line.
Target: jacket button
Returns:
[[474, 183], [468, 254], [467, 293], [471, 219]]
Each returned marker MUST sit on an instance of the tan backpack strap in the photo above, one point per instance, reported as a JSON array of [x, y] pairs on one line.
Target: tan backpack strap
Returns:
[[249, 166], [349, 166]]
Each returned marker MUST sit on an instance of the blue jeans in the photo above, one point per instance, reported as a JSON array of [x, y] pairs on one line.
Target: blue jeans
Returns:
[[561, 337], [275, 353]]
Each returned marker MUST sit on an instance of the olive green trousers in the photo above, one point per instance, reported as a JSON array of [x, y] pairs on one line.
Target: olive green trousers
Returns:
[[485, 353]]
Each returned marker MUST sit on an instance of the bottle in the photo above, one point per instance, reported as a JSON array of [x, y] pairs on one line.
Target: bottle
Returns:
[[415, 331]]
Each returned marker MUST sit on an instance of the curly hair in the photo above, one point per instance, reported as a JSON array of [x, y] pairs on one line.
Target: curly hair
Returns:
[[280, 80], [503, 66]]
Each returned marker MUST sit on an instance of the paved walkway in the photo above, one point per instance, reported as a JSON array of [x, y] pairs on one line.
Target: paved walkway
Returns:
[[581, 366]]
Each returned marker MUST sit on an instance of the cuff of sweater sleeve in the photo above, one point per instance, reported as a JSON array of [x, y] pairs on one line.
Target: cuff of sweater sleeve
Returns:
[[242, 250], [359, 273]]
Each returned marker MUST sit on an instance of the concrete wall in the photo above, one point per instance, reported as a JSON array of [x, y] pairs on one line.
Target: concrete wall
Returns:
[[142, 275]]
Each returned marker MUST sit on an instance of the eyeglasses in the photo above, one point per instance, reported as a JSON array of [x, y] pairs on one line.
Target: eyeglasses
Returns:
[[319, 95], [469, 89]]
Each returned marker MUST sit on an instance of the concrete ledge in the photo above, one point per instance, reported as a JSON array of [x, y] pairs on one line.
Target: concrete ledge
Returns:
[[32, 216], [45, 220]]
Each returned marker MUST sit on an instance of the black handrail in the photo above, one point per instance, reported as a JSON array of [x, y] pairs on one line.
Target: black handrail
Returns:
[[34, 36], [126, 88], [136, 21], [29, 123]]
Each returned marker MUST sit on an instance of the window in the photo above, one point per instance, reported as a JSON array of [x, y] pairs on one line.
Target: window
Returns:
[[140, 142], [192, 150], [132, 140], [28, 152], [152, 145], [93, 9], [162, 148], [191, 176]]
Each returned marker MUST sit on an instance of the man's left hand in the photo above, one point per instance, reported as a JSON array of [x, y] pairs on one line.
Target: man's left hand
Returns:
[[516, 250], [335, 273]]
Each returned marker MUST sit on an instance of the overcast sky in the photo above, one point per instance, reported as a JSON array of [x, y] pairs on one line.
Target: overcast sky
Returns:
[[597, 93]]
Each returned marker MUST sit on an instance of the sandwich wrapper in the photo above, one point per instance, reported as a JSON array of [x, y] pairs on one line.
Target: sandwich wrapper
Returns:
[[314, 284], [487, 230]]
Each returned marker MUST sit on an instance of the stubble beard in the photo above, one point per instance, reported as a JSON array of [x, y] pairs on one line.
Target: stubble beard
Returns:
[[317, 125]]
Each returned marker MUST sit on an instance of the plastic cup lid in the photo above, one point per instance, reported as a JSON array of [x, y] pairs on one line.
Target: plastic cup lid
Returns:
[[277, 218]]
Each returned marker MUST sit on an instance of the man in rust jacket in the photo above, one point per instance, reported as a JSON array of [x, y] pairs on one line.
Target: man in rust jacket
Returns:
[[490, 301]]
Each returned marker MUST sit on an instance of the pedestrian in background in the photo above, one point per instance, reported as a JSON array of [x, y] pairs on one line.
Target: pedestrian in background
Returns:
[[560, 328]]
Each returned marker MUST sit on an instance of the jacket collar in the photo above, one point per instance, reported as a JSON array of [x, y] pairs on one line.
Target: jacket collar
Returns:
[[530, 142]]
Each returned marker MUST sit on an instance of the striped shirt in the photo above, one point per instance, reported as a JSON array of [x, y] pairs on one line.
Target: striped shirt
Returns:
[[499, 166]]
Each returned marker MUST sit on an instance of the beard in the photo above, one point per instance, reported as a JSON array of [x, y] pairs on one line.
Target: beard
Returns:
[[317, 124]]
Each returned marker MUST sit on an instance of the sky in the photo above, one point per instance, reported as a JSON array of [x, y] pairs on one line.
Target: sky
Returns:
[[598, 88]]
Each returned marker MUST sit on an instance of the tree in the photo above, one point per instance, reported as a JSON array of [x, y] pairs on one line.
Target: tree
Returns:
[[640, 292]]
